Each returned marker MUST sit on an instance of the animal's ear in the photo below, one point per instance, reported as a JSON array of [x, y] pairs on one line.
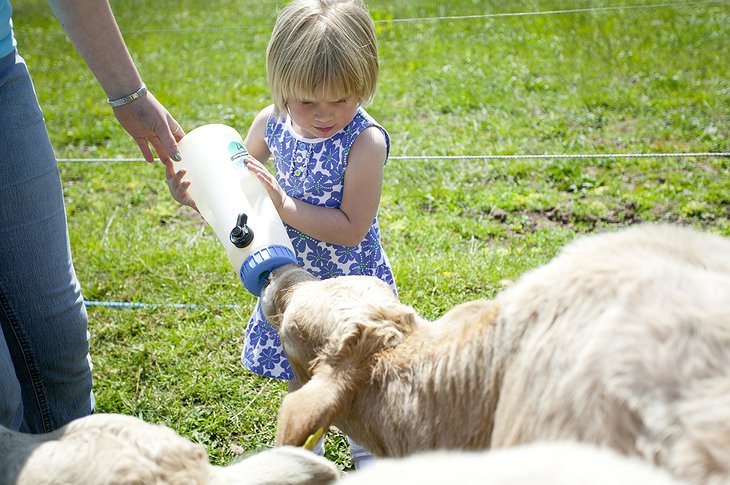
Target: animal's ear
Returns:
[[313, 406], [368, 329]]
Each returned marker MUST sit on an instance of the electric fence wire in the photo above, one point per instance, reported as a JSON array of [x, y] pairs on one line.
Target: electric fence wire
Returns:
[[154, 306], [554, 12], [617, 8], [546, 156]]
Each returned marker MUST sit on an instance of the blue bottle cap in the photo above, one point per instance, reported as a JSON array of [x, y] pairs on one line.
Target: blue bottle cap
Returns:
[[259, 264]]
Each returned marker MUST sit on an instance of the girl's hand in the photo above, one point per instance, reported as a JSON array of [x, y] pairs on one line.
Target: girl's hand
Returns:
[[276, 193], [178, 187]]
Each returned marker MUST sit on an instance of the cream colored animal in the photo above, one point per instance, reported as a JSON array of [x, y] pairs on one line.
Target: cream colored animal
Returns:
[[555, 463], [623, 340], [110, 449]]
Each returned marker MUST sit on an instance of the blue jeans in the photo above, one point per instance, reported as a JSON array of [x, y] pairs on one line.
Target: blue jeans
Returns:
[[45, 372]]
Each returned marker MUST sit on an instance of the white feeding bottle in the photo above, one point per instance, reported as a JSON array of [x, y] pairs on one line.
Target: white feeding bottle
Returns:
[[234, 203]]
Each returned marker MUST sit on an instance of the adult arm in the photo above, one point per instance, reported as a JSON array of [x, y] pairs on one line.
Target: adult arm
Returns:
[[92, 28]]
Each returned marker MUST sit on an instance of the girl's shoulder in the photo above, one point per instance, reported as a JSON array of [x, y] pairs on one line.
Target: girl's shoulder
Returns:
[[375, 136], [266, 113], [263, 117], [260, 124]]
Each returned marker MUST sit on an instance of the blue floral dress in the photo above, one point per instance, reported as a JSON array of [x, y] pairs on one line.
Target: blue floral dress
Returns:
[[313, 170]]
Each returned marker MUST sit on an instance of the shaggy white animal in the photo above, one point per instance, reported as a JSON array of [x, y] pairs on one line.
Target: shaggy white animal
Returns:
[[623, 340], [557, 463], [109, 449]]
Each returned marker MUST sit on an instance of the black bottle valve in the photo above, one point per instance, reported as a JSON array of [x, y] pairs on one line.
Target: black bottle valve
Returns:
[[241, 235]]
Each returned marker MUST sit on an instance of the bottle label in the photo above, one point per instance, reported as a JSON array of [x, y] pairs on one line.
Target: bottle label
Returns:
[[238, 154]]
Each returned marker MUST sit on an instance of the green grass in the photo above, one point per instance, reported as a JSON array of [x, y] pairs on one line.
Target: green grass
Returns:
[[650, 80]]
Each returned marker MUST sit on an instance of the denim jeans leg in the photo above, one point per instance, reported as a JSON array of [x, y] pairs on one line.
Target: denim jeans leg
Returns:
[[42, 313], [11, 404]]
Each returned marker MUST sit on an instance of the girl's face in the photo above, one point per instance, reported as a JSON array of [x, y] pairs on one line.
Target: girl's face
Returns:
[[321, 117]]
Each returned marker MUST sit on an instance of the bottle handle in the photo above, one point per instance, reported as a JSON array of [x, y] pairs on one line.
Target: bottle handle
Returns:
[[241, 235]]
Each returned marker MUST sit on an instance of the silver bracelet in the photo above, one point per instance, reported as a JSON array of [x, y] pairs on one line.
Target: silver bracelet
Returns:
[[128, 98]]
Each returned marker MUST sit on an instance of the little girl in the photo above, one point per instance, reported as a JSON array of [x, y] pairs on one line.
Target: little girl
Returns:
[[329, 155]]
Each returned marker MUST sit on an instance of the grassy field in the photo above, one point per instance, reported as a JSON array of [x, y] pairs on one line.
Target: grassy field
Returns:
[[637, 79]]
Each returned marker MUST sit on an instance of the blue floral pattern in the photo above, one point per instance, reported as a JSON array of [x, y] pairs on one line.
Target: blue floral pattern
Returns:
[[313, 170]]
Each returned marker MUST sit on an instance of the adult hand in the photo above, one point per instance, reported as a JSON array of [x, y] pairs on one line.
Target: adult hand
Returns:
[[147, 121]]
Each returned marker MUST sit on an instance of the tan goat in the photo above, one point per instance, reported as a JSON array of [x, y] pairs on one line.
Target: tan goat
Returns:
[[623, 340]]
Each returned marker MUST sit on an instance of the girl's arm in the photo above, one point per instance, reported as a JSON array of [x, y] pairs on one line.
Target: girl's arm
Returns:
[[91, 26], [348, 225]]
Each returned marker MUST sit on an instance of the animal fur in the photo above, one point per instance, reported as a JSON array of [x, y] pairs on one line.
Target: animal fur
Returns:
[[623, 341], [554, 463], [110, 449]]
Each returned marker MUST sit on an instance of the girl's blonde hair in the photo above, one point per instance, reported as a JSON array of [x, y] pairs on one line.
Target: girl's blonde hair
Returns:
[[322, 47]]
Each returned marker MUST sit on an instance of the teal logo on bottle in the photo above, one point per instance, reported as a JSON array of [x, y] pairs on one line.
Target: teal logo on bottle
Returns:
[[238, 154]]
